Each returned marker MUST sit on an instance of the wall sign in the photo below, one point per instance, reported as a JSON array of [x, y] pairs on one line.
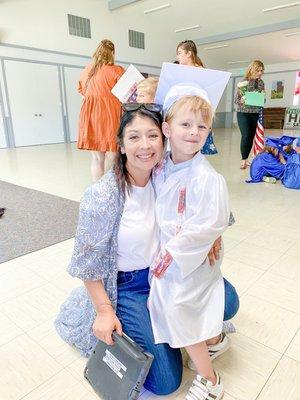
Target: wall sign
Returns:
[[292, 118]]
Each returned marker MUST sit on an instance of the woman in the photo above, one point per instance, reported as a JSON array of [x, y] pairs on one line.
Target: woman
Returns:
[[116, 241], [100, 111], [247, 116], [187, 55]]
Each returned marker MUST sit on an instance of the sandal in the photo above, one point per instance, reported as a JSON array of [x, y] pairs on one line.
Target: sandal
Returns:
[[243, 165]]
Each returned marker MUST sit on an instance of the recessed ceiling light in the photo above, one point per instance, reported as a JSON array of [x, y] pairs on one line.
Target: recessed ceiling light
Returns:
[[282, 6], [216, 47], [151, 10], [188, 28], [239, 62], [292, 33]]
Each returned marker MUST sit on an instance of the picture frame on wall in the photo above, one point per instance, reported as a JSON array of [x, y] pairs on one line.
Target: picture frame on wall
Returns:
[[277, 90]]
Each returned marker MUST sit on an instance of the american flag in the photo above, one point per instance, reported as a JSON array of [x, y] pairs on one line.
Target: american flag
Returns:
[[259, 138]]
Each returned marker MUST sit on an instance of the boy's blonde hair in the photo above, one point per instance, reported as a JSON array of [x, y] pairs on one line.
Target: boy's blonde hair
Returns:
[[148, 85], [194, 104], [253, 67]]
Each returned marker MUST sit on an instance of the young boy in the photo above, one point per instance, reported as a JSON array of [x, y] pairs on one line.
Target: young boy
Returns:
[[146, 90], [186, 300], [291, 177]]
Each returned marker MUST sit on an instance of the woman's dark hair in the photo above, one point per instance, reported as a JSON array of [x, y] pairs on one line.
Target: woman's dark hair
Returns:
[[122, 175]]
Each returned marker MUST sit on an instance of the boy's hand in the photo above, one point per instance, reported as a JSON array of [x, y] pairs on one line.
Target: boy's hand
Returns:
[[214, 252]]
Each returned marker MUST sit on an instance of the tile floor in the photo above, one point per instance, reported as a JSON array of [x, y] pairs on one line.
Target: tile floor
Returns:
[[261, 258]]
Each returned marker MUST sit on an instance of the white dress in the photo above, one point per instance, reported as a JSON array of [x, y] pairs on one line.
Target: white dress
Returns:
[[187, 304]]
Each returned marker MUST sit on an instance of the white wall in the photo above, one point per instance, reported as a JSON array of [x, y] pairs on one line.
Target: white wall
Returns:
[[43, 24], [225, 104], [2, 137]]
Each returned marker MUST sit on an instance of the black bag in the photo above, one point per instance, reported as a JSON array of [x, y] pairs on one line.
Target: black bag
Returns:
[[118, 372]]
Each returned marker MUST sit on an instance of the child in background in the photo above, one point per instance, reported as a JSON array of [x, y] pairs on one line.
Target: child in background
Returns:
[[146, 90], [291, 177], [186, 300], [268, 166]]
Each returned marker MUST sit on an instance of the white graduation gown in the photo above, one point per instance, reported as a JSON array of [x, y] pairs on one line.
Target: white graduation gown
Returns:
[[187, 304]]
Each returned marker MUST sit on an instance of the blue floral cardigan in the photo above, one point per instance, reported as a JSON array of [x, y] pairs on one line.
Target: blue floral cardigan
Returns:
[[94, 258]]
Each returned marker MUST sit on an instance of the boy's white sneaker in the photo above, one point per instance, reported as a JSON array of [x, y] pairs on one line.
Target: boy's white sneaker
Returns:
[[214, 350], [203, 389]]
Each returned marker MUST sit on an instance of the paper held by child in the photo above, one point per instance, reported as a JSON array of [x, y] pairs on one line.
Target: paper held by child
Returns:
[[125, 88], [254, 99]]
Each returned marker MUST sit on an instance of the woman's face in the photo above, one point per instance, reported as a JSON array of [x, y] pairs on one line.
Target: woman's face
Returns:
[[257, 73], [183, 56], [142, 144]]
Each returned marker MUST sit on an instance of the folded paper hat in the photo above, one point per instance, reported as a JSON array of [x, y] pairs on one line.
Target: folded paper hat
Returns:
[[176, 81]]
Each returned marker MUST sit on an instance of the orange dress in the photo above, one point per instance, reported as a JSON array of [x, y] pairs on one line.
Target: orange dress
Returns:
[[100, 112]]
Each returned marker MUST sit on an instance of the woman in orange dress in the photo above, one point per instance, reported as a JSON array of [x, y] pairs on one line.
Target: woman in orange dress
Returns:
[[100, 111]]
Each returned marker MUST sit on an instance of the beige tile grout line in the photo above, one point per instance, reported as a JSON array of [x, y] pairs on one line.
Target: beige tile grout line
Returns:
[[282, 355], [265, 271], [41, 384]]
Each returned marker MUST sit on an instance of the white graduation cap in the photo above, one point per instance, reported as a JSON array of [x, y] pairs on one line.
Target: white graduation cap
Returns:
[[176, 81], [125, 88]]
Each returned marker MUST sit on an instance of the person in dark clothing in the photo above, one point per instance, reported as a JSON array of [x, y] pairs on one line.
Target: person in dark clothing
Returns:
[[247, 116]]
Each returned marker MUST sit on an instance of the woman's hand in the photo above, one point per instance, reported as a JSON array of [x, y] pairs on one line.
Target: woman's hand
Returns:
[[105, 323], [214, 252]]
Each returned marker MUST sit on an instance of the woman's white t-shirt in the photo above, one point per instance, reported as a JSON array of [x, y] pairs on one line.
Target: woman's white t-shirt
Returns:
[[138, 237]]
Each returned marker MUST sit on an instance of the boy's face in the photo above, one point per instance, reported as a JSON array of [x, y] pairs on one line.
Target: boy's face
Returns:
[[187, 133], [144, 97]]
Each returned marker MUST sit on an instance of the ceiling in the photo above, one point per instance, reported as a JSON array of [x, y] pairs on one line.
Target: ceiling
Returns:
[[257, 35]]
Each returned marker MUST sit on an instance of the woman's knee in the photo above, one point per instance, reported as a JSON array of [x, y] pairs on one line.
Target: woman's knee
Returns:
[[232, 302], [164, 385], [166, 372]]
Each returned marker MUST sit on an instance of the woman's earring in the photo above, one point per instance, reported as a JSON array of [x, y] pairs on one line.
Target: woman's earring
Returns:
[[122, 150]]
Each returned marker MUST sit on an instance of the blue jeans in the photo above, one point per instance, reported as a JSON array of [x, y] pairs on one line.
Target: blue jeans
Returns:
[[166, 371]]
